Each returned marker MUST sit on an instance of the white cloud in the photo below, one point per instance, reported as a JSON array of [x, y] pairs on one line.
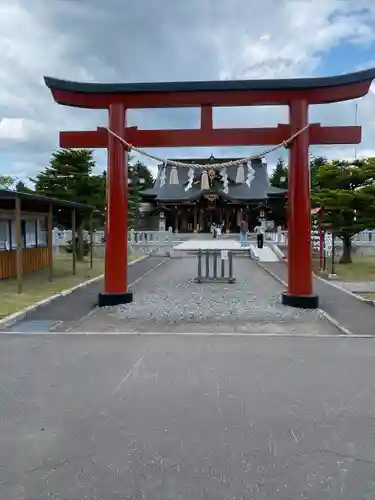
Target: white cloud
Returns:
[[19, 129], [122, 40]]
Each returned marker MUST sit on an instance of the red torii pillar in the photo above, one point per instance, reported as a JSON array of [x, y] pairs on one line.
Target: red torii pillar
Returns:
[[300, 283], [298, 94], [116, 252]]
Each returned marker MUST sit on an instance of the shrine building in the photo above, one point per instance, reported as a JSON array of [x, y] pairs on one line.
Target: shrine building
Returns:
[[192, 199]]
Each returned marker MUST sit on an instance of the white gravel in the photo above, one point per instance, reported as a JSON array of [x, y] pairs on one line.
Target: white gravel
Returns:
[[168, 300]]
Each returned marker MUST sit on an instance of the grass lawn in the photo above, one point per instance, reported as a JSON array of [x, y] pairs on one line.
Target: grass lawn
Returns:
[[361, 269], [36, 286], [368, 295]]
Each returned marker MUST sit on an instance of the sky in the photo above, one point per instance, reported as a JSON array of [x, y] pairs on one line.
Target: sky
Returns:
[[173, 40]]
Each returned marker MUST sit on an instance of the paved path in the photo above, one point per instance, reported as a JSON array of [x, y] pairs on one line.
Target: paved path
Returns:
[[357, 286], [350, 312], [186, 417], [171, 302], [65, 311]]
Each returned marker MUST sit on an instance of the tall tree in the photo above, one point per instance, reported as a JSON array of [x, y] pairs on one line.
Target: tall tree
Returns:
[[70, 177], [22, 188], [315, 163], [346, 191], [140, 178], [140, 171], [279, 177], [6, 181]]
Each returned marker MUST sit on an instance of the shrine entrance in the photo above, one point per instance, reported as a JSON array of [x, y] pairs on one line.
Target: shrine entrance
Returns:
[[297, 135]]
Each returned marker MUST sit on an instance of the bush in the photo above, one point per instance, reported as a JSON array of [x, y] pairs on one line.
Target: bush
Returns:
[[86, 247]]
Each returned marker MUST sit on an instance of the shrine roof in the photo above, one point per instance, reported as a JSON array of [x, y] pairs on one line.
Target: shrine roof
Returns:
[[259, 189], [214, 85]]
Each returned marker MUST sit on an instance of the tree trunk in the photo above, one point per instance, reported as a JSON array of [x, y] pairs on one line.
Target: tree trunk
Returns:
[[346, 257]]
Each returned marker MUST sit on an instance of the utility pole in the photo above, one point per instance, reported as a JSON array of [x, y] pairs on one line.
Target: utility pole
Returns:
[[356, 123]]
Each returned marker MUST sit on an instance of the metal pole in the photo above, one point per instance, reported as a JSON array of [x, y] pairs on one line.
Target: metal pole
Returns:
[[91, 240], [19, 248], [321, 243], [356, 122], [74, 241], [333, 253], [50, 240]]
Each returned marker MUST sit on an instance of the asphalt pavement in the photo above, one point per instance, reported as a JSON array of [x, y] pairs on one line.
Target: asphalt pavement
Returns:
[[186, 417]]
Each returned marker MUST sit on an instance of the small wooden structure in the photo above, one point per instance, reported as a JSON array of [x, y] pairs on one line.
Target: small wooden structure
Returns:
[[26, 222]]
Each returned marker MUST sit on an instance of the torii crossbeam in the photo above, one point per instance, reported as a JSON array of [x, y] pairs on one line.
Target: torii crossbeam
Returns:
[[297, 94]]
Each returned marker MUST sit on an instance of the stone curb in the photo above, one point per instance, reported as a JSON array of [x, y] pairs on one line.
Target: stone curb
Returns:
[[19, 315], [356, 296], [324, 314], [276, 250], [370, 302], [212, 334]]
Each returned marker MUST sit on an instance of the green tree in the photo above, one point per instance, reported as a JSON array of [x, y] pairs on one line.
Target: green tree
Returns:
[[6, 181], [22, 188], [346, 191], [279, 177], [70, 177], [315, 163], [140, 178]]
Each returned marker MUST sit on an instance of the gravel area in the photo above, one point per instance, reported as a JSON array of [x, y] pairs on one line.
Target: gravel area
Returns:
[[170, 301]]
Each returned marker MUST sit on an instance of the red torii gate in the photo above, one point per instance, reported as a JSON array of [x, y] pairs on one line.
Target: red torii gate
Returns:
[[298, 94]]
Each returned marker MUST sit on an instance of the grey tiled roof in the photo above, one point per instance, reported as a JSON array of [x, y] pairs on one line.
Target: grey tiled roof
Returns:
[[259, 189]]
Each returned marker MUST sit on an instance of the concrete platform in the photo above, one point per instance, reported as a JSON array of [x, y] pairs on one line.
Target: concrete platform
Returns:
[[217, 244], [265, 254]]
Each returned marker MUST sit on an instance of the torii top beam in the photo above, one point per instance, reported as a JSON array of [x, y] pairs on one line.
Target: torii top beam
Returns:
[[212, 93]]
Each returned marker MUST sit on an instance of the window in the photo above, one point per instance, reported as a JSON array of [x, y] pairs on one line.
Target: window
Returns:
[[13, 242], [4, 235], [33, 233], [30, 233], [42, 232]]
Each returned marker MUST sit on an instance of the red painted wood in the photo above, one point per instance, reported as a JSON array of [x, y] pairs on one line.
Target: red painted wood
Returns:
[[206, 118], [299, 245], [214, 98], [116, 254], [216, 137]]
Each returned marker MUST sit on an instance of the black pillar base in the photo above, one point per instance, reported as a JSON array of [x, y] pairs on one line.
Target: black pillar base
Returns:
[[114, 299], [300, 301]]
